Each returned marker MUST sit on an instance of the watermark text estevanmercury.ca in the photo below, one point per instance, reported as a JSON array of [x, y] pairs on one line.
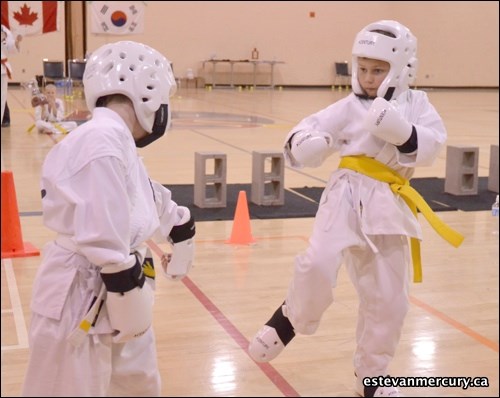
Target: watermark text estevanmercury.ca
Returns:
[[453, 382]]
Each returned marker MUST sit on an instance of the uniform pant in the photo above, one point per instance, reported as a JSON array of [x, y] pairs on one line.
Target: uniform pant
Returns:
[[6, 115], [378, 267], [96, 368], [3, 98], [55, 127]]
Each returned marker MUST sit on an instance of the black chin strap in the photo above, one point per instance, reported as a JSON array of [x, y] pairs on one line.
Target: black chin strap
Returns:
[[388, 95], [159, 127], [364, 96]]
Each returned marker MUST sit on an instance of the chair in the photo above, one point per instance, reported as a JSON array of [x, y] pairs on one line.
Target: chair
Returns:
[[53, 71], [76, 69], [342, 74]]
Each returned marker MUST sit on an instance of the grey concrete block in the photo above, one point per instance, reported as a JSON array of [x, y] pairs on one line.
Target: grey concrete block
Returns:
[[210, 185], [268, 178], [461, 170], [493, 174]]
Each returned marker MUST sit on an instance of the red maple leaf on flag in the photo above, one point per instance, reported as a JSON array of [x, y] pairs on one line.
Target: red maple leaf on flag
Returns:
[[25, 17]]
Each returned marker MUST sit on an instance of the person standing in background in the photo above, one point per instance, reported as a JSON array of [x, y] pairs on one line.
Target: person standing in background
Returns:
[[10, 45]]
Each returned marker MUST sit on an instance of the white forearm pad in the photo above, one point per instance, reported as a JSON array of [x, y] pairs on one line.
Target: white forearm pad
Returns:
[[130, 313], [181, 239], [385, 122], [310, 148], [181, 260], [129, 300]]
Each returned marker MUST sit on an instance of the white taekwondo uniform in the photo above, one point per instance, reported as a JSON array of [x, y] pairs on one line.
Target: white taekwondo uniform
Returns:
[[362, 223], [98, 198]]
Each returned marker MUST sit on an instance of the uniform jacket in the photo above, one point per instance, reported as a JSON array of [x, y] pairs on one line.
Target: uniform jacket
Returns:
[[100, 202], [382, 211]]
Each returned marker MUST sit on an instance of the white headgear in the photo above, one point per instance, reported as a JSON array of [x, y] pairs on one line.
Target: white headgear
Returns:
[[139, 72], [399, 51]]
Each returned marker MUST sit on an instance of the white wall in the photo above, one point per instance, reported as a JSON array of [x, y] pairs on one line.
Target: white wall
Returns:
[[457, 41]]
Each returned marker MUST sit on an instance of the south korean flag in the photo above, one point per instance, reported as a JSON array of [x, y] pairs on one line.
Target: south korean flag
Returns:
[[117, 17]]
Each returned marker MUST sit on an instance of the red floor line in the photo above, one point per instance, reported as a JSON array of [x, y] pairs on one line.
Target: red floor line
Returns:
[[256, 239], [272, 374], [457, 325]]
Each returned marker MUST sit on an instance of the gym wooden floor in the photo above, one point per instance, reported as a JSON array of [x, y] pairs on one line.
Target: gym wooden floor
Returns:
[[204, 323]]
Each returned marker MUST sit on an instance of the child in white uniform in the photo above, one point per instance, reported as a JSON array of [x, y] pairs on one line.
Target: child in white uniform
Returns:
[[383, 130], [49, 115], [90, 332]]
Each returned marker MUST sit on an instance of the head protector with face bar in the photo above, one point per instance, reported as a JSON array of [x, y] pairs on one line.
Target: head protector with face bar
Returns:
[[138, 72]]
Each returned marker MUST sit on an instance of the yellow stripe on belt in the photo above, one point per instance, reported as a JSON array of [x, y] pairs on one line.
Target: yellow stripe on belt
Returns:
[[400, 185]]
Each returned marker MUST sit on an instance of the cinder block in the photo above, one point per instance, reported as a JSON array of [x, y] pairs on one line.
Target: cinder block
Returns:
[[493, 175], [210, 187], [268, 178], [461, 170]]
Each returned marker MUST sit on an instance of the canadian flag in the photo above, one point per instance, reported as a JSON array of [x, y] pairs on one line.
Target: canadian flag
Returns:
[[31, 17]]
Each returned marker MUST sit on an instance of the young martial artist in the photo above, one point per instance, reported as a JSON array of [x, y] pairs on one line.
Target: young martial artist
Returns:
[[90, 332], [49, 114], [382, 130]]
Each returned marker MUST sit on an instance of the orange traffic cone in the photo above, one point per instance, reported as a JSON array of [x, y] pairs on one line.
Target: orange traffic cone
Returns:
[[12, 240], [242, 231]]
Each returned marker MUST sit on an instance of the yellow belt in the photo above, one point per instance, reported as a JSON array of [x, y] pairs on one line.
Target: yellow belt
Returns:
[[400, 185]]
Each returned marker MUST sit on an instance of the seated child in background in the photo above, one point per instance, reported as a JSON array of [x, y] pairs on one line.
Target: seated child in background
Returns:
[[49, 114]]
